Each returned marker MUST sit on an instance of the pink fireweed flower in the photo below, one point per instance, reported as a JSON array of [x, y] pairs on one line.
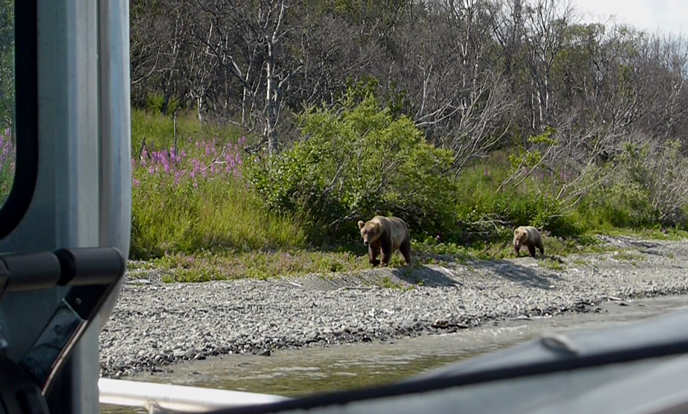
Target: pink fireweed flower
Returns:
[[165, 163], [136, 182], [151, 170], [196, 165]]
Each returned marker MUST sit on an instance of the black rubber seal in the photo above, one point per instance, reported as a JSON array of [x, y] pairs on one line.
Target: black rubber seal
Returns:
[[26, 101]]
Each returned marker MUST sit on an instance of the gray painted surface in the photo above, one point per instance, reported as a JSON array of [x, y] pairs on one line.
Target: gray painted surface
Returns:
[[83, 109]]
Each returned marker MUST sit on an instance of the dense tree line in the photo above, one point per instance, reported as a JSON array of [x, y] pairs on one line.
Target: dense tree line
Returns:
[[473, 75]]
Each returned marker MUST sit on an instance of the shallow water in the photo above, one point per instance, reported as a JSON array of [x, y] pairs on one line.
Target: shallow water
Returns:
[[302, 371]]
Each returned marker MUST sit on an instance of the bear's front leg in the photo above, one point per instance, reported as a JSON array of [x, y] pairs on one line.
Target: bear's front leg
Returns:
[[386, 253], [372, 255], [531, 250]]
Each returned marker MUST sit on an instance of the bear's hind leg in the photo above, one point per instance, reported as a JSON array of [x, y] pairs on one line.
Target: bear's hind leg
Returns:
[[405, 250], [386, 253], [541, 248]]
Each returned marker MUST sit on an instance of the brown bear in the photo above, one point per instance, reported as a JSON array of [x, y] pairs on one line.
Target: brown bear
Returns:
[[386, 235], [530, 237]]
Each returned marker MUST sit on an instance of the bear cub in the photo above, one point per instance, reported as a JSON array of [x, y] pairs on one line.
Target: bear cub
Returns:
[[530, 237], [385, 235]]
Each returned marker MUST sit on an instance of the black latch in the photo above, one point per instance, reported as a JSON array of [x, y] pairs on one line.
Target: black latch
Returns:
[[91, 275]]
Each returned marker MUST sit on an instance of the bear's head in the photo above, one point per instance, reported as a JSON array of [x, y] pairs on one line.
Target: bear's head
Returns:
[[370, 231], [520, 236]]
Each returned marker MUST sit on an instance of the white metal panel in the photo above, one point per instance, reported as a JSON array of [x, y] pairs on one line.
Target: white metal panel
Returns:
[[176, 397]]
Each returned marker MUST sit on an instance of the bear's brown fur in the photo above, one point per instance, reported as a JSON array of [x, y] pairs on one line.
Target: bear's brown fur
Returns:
[[530, 237], [385, 235]]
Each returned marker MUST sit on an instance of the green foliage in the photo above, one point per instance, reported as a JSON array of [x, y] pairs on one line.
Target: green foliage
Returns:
[[358, 162], [643, 188], [156, 127], [7, 91], [397, 101], [214, 215], [204, 266], [532, 157], [494, 212], [194, 199]]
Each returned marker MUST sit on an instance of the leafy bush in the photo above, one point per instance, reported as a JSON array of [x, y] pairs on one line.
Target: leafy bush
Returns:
[[645, 186], [356, 162], [493, 212]]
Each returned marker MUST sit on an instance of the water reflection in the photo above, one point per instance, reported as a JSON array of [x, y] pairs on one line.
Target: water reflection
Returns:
[[299, 372]]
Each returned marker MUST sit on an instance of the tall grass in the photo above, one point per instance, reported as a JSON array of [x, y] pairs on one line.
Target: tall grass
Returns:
[[193, 198], [7, 159], [151, 127], [7, 164]]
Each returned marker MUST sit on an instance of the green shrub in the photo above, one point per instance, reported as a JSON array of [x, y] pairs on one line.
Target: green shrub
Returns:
[[356, 162], [493, 212], [646, 186]]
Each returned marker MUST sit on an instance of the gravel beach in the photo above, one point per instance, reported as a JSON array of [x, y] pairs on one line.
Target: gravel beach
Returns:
[[155, 324]]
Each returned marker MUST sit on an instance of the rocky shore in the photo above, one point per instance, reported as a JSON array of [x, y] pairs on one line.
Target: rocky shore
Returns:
[[156, 324]]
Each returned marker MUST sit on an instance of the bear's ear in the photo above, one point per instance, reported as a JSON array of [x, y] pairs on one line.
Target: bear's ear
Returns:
[[360, 224]]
